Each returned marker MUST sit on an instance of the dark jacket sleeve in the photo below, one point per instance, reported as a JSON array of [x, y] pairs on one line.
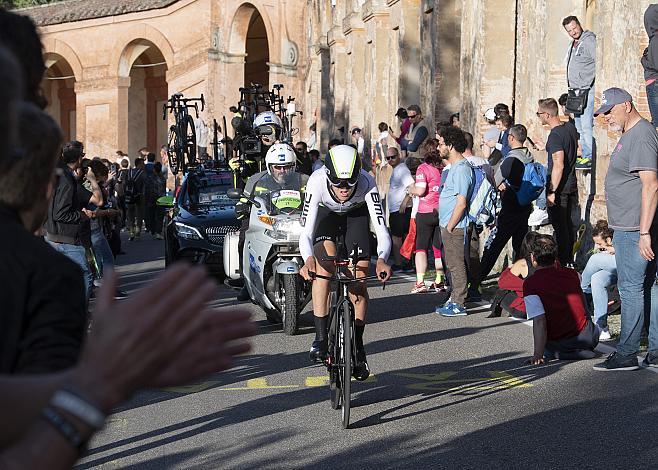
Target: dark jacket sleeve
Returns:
[[419, 138], [63, 211], [55, 322]]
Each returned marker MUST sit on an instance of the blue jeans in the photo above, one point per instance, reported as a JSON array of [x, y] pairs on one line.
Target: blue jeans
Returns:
[[638, 292], [76, 253], [102, 250], [652, 98], [600, 272], [584, 125]]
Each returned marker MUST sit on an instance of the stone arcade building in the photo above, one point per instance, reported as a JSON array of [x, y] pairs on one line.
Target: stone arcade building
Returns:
[[350, 63]]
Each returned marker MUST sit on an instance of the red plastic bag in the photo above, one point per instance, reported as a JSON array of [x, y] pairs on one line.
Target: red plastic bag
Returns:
[[409, 246]]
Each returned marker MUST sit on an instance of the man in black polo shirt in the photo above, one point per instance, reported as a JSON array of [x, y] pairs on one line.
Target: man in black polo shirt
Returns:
[[561, 184]]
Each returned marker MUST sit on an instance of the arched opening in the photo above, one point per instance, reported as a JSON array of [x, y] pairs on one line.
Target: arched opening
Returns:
[[147, 93], [59, 89], [256, 68]]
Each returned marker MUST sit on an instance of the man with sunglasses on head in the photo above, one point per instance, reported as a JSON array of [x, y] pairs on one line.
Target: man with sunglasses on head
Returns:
[[417, 132], [343, 200]]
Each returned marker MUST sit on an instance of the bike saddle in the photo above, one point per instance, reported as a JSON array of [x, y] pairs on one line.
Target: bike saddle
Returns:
[[178, 95]]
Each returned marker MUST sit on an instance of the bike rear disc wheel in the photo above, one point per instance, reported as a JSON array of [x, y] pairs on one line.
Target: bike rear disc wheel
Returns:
[[174, 161], [346, 362], [190, 141]]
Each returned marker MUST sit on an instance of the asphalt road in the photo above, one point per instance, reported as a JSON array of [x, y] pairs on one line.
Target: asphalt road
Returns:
[[446, 393]]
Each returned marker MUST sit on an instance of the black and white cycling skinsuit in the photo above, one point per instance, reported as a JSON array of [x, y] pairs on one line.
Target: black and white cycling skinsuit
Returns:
[[324, 217]]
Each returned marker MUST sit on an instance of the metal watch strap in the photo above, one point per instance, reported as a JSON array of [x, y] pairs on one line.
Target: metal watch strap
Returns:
[[79, 407], [65, 428]]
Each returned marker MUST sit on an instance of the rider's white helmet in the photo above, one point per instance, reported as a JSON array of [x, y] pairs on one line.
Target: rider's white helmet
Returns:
[[267, 118], [280, 154]]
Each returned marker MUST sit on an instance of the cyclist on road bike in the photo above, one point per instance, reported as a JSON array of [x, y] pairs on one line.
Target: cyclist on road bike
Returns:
[[341, 200]]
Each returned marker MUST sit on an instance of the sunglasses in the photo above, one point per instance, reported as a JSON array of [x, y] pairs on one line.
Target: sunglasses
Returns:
[[411, 116], [282, 167], [388, 157], [343, 184]]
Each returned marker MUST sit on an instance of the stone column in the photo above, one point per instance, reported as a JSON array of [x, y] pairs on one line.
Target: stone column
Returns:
[[324, 98], [617, 65], [378, 66], [102, 115], [405, 18], [354, 31], [338, 83]]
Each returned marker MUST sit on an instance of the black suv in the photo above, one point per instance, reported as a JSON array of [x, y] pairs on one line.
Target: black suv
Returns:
[[201, 216]]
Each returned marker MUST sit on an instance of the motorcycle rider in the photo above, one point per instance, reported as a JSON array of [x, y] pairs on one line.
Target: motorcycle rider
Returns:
[[268, 126], [280, 162], [342, 200]]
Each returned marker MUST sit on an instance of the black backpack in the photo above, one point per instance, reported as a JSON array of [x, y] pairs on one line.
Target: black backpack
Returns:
[[133, 186]]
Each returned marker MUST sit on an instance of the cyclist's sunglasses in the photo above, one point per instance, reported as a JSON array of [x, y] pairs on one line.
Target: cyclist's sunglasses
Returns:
[[343, 183]]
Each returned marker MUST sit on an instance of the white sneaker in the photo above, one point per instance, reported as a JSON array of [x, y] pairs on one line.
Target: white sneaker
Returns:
[[604, 335], [538, 217]]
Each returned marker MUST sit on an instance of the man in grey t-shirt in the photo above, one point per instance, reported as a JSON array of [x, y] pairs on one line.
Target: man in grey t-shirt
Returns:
[[631, 187]]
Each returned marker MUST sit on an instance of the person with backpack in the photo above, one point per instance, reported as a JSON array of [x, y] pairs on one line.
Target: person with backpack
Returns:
[[133, 193], [520, 180], [453, 218]]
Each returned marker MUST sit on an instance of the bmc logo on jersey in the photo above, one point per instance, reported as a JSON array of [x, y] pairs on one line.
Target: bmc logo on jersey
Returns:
[[307, 201], [379, 211]]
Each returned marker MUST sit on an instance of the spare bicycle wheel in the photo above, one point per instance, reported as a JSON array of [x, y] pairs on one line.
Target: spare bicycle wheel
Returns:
[[174, 161]]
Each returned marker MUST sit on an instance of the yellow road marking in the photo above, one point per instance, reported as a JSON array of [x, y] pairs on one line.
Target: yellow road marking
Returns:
[[441, 382], [259, 384], [319, 381]]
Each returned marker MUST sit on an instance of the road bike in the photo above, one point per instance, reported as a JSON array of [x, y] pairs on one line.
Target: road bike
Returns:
[[341, 354], [181, 139]]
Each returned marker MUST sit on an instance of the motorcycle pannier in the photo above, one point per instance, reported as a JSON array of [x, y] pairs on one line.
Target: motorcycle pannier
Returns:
[[231, 255]]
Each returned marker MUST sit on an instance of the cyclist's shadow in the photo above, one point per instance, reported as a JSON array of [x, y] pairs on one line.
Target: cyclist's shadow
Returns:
[[449, 384]]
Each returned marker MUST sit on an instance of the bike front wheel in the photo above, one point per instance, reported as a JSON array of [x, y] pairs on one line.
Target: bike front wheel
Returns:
[[345, 335]]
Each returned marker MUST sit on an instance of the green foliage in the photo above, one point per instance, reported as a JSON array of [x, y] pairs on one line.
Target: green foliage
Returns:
[[11, 4]]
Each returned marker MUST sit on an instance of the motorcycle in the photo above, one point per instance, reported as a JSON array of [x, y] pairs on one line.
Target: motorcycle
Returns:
[[271, 260]]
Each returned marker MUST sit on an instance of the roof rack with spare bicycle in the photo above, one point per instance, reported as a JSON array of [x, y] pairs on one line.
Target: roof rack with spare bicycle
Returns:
[[181, 140]]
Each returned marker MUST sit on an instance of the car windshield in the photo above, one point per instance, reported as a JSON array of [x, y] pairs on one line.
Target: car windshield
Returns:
[[210, 190]]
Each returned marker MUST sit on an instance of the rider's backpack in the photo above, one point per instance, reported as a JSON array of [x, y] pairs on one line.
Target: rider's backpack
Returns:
[[483, 199], [532, 183], [133, 186]]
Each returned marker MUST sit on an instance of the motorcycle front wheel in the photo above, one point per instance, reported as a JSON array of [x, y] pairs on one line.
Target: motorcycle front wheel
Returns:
[[290, 310]]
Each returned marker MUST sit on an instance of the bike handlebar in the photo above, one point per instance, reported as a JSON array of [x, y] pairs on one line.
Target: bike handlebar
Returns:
[[347, 280]]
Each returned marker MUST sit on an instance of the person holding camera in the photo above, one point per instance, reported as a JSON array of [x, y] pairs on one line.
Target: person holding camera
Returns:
[[68, 216]]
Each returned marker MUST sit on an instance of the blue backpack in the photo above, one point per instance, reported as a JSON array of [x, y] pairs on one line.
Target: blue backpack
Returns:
[[483, 199], [532, 183]]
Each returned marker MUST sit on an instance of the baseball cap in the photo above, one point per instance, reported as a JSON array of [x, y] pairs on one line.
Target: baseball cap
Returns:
[[490, 114], [611, 97], [401, 113]]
